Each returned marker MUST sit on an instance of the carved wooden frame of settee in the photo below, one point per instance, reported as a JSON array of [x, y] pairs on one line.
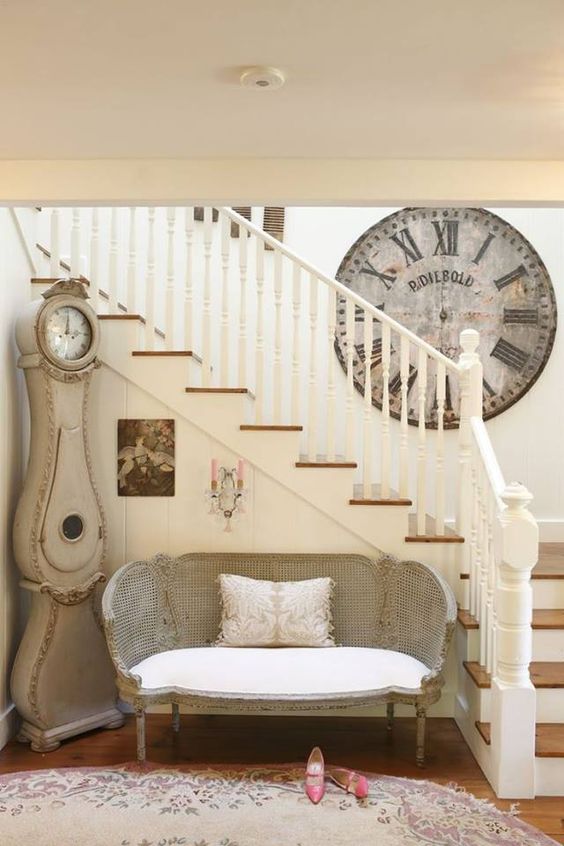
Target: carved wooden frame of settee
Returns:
[[168, 603]]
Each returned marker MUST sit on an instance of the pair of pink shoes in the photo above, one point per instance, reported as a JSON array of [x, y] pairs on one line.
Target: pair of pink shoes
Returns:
[[348, 780]]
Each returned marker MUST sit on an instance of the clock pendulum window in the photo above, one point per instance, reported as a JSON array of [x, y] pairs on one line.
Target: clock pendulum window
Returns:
[[63, 679], [438, 271]]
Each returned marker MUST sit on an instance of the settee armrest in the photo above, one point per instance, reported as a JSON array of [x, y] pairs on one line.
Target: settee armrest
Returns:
[[132, 612], [423, 614]]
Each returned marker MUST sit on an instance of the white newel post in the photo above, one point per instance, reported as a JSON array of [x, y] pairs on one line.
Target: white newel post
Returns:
[[470, 406], [513, 695]]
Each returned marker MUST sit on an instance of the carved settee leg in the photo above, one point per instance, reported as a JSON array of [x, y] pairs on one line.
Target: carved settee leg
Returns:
[[420, 736], [175, 717], [140, 723], [390, 716]]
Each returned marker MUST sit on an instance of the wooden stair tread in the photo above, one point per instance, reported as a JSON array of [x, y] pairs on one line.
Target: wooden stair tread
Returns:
[[543, 618], [218, 391], [544, 674], [162, 353], [549, 738], [551, 562], [256, 428], [327, 464], [376, 498], [430, 535]]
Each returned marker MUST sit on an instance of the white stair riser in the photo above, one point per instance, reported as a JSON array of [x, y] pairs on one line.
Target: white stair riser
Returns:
[[548, 593], [550, 705], [549, 776], [548, 645]]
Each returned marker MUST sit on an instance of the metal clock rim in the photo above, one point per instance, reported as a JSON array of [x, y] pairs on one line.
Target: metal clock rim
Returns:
[[43, 314]]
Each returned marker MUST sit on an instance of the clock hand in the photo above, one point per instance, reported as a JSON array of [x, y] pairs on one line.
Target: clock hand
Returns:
[[67, 326]]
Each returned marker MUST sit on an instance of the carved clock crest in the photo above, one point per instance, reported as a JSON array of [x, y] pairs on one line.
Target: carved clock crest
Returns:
[[438, 271], [63, 681]]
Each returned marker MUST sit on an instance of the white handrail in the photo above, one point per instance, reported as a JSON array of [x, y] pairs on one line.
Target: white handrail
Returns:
[[489, 460], [341, 289]]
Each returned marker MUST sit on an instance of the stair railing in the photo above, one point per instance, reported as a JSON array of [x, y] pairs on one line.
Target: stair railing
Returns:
[[264, 318], [501, 550]]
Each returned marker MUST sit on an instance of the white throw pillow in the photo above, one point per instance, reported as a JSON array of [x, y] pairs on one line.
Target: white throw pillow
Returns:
[[261, 613]]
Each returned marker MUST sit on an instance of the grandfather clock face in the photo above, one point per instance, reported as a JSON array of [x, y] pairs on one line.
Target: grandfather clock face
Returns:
[[437, 272]]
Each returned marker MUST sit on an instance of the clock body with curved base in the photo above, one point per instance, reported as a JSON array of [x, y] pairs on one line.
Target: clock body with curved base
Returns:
[[63, 680]]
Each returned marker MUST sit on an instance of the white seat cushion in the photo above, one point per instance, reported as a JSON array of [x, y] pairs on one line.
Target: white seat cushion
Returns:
[[285, 672]]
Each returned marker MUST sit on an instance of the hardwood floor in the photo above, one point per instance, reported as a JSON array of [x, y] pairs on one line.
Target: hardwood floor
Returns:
[[361, 743]]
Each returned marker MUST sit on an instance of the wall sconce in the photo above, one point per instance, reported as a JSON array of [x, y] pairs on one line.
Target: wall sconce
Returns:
[[227, 492]]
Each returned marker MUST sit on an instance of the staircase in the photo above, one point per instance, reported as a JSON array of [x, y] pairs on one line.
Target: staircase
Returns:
[[236, 335], [546, 669]]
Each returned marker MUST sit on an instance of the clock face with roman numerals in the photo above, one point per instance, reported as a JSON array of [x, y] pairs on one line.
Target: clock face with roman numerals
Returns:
[[437, 272]]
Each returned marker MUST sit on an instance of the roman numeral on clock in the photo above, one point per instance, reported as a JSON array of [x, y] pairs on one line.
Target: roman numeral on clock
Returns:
[[375, 354], [487, 389], [394, 384], [510, 277], [447, 237], [404, 240], [521, 316], [483, 249], [387, 279], [510, 355]]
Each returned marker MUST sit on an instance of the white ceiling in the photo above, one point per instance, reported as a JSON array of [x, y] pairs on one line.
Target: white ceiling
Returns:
[[470, 79]]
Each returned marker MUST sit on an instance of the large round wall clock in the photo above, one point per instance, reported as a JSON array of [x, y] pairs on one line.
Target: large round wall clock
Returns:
[[437, 272]]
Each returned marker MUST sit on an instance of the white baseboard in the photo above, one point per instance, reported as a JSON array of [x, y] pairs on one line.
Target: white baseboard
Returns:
[[551, 530], [9, 723]]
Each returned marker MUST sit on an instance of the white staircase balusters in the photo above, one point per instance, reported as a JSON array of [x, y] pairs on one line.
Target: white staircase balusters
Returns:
[[207, 315], [367, 427], [349, 403], [470, 388], [75, 245], [242, 356], [170, 287], [295, 414], [224, 336], [385, 463], [113, 263], [188, 278], [404, 426], [312, 392], [94, 270], [132, 305], [150, 283], [440, 453], [260, 352], [55, 246], [277, 383], [421, 443], [331, 386]]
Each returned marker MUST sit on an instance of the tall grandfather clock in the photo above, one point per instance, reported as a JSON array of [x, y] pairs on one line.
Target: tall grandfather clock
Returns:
[[63, 680]]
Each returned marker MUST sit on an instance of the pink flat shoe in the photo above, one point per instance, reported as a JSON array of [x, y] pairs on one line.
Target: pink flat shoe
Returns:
[[315, 776], [350, 781]]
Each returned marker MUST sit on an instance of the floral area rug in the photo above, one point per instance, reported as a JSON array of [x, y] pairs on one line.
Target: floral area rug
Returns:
[[265, 806]]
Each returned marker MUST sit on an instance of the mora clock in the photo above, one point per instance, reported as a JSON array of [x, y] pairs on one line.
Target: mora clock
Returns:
[[62, 681], [437, 272]]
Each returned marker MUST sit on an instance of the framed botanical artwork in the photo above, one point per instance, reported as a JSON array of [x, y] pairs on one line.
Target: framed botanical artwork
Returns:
[[145, 458]]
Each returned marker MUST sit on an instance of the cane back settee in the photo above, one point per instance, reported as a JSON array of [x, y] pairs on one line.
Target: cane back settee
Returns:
[[393, 621]]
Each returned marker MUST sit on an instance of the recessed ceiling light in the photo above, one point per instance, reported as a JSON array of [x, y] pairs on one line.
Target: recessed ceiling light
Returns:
[[262, 77]]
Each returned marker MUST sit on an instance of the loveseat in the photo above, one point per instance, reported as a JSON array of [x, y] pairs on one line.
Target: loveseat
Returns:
[[393, 621]]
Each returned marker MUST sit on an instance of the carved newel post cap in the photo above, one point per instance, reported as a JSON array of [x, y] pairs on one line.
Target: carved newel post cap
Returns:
[[469, 341], [516, 496]]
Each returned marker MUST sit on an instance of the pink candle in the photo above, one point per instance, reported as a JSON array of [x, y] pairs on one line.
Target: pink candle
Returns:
[[214, 473], [240, 473]]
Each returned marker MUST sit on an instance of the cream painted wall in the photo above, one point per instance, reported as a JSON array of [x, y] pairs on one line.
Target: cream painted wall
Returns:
[[527, 437], [14, 292]]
